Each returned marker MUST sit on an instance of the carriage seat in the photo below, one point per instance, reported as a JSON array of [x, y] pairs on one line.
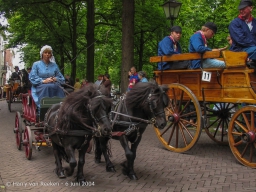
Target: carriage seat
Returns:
[[232, 59], [46, 103]]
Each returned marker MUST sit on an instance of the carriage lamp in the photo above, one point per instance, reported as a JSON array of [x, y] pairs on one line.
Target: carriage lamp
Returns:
[[171, 10]]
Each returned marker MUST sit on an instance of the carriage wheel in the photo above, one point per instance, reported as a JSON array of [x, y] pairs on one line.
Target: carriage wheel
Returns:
[[242, 136], [10, 100], [218, 116], [180, 135], [18, 130], [27, 142]]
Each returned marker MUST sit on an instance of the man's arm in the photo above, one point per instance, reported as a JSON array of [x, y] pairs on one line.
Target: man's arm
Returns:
[[240, 33]]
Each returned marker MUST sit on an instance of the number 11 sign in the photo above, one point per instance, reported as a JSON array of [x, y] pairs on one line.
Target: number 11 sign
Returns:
[[206, 76]]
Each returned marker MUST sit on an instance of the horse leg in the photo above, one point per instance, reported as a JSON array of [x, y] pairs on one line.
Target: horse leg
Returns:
[[71, 160], [59, 170], [98, 151], [104, 148], [130, 156], [81, 160]]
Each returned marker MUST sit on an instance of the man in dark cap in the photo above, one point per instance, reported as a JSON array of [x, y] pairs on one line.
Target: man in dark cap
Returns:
[[16, 74], [198, 44], [169, 46], [243, 31]]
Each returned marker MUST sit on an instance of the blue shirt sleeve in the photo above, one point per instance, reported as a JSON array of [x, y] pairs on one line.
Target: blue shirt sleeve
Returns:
[[166, 47], [241, 35], [196, 44], [40, 71]]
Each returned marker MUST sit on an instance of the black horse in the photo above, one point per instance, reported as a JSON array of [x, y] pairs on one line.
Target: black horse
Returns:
[[144, 104], [72, 124]]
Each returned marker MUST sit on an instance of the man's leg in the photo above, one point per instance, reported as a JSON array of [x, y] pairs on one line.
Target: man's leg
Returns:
[[213, 63], [251, 53]]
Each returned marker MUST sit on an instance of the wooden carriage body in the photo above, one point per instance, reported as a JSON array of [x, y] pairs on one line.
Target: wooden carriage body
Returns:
[[222, 105], [236, 83]]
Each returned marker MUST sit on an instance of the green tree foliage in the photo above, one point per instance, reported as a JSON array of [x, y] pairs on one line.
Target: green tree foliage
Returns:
[[62, 24]]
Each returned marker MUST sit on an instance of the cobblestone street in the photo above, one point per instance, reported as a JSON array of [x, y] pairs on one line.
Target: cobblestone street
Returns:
[[208, 167]]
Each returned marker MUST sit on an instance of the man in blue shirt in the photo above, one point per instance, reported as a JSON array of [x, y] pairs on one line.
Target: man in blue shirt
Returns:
[[198, 44], [169, 46], [243, 30]]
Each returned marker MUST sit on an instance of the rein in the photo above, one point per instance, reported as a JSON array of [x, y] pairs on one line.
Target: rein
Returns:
[[132, 117], [131, 126], [78, 132]]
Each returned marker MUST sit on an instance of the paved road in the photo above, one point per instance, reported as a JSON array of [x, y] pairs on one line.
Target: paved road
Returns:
[[208, 167]]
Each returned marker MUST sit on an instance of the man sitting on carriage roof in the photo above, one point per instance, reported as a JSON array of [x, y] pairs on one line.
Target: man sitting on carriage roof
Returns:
[[46, 77], [243, 31], [169, 46], [198, 44]]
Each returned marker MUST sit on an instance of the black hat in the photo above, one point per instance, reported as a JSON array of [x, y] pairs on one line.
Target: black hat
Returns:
[[176, 29], [29, 68], [107, 75], [211, 26], [16, 67], [244, 3]]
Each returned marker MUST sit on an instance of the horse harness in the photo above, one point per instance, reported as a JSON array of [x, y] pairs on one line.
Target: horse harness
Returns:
[[85, 133], [132, 126]]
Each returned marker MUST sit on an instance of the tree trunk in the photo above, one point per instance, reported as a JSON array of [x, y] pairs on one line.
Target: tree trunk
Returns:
[[90, 40], [127, 41], [74, 44]]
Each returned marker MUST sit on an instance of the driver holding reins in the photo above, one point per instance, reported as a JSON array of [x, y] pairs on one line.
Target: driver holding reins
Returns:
[[46, 77]]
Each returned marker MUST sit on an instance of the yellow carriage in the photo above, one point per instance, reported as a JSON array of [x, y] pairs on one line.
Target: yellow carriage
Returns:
[[218, 101]]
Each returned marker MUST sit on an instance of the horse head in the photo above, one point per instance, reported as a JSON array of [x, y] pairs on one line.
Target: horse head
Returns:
[[99, 109], [86, 109], [153, 101]]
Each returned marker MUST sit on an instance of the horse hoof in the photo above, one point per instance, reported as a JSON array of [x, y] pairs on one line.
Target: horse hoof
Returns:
[[110, 169], [60, 174], [133, 177], [81, 181], [97, 161]]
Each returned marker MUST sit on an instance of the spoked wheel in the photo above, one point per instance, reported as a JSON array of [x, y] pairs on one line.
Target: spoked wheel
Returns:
[[218, 116], [184, 120], [10, 101], [18, 130], [27, 142], [242, 136]]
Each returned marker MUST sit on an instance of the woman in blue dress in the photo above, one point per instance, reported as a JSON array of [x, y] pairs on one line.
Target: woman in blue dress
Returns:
[[46, 77]]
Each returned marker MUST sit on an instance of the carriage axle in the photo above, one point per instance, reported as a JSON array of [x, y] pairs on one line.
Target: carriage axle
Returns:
[[248, 137]]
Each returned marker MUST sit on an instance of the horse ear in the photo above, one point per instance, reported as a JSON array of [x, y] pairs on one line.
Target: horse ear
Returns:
[[165, 88], [153, 81]]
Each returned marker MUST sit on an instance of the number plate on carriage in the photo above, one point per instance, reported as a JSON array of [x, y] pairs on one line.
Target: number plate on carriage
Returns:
[[206, 76]]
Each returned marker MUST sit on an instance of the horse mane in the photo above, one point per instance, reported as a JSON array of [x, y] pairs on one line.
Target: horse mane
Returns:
[[73, 113], [137, 96]]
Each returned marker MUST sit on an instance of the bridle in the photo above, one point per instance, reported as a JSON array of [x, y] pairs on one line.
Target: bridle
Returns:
[[96, 131], [152, 107]]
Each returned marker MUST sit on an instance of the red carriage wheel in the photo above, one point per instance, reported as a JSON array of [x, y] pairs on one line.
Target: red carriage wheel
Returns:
[[27, 142], [18, 130]]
